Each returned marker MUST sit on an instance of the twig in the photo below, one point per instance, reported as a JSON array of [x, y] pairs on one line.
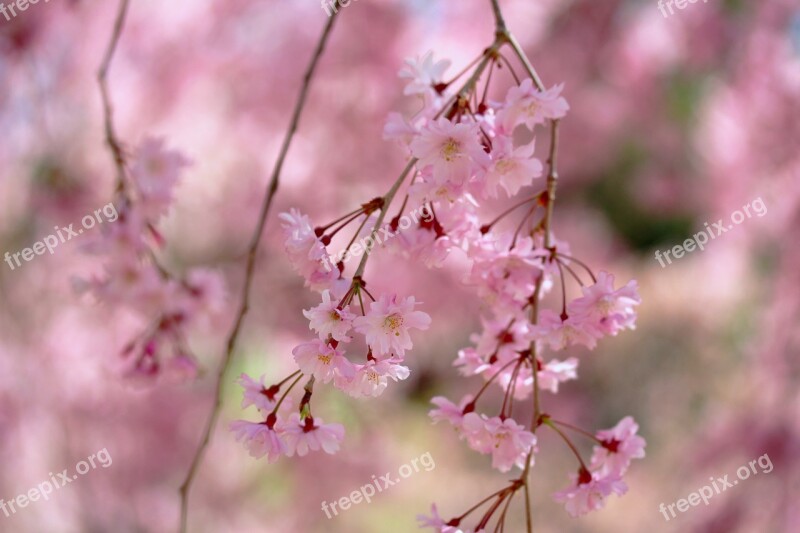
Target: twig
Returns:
[[250, 268], [102, 79], [504, 35]]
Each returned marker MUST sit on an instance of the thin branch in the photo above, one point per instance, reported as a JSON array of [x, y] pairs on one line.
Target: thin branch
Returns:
[[102, 78], [250, 268]]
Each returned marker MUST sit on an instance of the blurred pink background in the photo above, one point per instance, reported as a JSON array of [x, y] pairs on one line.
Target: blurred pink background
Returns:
[[675, 121]]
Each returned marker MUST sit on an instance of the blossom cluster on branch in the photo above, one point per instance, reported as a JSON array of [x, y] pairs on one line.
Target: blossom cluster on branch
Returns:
[[132, 278], [463, 150]]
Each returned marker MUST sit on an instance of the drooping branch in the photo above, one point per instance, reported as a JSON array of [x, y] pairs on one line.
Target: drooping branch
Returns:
[[269, 195], [102, 78]]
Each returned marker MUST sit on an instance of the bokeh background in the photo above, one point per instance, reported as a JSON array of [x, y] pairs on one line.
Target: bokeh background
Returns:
[[675, 121]]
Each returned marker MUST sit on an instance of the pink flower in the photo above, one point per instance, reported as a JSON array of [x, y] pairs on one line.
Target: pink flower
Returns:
[[505, 275], [453, 150], [310, 434], [328, 320], [306, 252], [372, 378], [155, 171], [525, 104], [255, 393], [588, 492], [203, 294], [259, 439], [448, 411], [423, 73], [507, 441], [610, 310], [387, 324], [559, 334], [554, 372], [620, 445], [398, 128], [435, 521], [322, 360], [471, 362], [512, 168]]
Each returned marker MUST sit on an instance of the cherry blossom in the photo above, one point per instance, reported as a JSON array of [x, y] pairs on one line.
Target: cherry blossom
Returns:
[[554, 372], [424, 74], [155, 171], [559, 333], [620, 445], [588, 492], [448, 411], [260, 439], [511, 168], [525, 104], [257, 394], [328, 319], [611, 310], [323, 361], [387, 324], [302, 436], [507, 441], [453, 150], [372, 378]]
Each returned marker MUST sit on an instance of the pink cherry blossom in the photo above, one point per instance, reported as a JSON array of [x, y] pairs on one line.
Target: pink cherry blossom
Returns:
[[306, 251], [388, 322], [448, 411], [620, 445], [372, 378], [423, 73], [322, 360], [554, 372], [559, 333], [588, 492], [507, 441], [259, 439], [525, 104], [256, 394], [328, 320], [155, 171], [511, 168], [398, 128], [453, 150], [611, 310], [311, 434]]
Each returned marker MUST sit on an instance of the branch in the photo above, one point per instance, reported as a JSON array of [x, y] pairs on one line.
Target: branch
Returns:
[[506, 36], [102, 78], [249, 270]]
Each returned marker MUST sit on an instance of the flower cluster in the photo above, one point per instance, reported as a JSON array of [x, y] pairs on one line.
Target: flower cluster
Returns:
[[133, 278], [466, 153], [463, 150], [384, 327]]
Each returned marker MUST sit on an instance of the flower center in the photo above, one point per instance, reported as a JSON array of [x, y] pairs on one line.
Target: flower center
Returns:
[[393, 323], [450, 149], [326, 359], [504, 166], [532, 108]]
